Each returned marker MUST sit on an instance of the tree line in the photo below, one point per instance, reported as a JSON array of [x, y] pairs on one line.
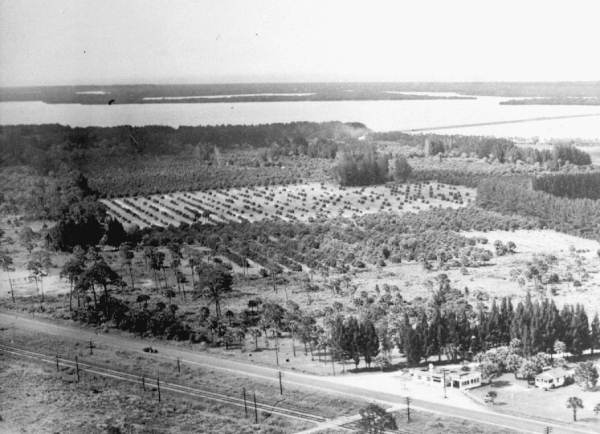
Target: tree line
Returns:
[[515, 196], [51, 148], [539, 327], [570, 185], [364, 165], [499, 149]]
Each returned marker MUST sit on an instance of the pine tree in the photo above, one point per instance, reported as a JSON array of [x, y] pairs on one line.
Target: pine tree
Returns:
[[595, 334], [352, 340], [436, 334], [579, 331], [494, 332], [369, 341]]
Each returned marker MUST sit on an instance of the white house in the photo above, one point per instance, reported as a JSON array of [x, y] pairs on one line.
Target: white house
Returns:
[[552, 378], [453, 377]]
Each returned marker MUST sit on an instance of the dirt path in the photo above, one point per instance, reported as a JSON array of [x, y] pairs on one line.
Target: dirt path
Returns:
[[290, 378]]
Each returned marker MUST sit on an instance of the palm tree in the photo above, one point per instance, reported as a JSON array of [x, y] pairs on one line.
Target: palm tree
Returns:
[[255, 332], [574, 403], [127, 256], [170, 294], [194, 259], [101, 273], [491, 396], [6, 263], [72, 270], [37, 272], [214, 282]]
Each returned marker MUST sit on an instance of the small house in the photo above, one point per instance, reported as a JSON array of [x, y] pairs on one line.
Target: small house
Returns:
[[552, 378]]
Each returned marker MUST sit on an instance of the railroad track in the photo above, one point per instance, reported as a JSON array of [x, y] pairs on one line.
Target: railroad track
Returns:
[[164, 385]]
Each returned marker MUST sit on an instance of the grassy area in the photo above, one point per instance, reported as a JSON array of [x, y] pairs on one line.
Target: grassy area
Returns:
[[38, 400], [205, 378]]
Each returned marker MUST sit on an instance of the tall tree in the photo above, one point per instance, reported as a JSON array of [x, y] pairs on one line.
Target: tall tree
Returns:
[[595, 334], [102, 274], [369, 341], [126, 255], [574, 403], [72, 270], [214, 282], [6, 263]]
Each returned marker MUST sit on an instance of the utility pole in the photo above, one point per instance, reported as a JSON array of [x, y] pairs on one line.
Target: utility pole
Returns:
[[57, 369], [178, 366], [547, 430], [144, 383], [332, 363], [276, 347], [77, 367], [445, 395], [280, 384], [245, 406], [158, 385], [91, 347], [255, 409], [407, 409]]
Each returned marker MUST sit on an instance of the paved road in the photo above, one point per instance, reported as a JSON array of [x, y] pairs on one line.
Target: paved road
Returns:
[[300, 380]]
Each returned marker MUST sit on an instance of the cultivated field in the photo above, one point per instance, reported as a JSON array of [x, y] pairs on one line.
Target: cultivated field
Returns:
[[301, 202]]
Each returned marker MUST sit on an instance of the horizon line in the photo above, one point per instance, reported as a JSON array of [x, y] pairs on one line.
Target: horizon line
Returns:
[[221, 83]]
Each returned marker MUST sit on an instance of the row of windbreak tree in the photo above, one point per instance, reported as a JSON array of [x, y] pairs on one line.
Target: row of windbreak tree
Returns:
[[502, 150], [446, 325], [364, 165], [538, 326], [514, 196], [570, 185]]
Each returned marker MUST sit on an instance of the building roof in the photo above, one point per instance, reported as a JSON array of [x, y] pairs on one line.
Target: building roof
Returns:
[[555, 373]]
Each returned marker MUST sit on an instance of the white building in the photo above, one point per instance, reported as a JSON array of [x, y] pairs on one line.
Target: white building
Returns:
[[453, 377], [553, 378]]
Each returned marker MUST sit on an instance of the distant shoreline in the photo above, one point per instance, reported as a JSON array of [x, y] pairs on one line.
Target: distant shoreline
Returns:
[[585, 101], [103, 99], [284, 92], [514, 121]]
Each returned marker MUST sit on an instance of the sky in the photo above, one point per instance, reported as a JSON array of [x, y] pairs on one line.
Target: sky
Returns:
[[60, 42]]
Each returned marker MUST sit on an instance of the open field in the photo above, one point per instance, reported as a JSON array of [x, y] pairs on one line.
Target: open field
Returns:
[[301, 202], [38, 400]]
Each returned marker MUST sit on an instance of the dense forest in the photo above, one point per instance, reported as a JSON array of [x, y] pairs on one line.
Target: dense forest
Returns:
[[515, 196], [364, 165], [570, 185], [48, 148]]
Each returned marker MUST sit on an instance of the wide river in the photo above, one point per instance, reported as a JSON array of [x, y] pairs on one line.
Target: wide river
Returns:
[[483, 115]]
